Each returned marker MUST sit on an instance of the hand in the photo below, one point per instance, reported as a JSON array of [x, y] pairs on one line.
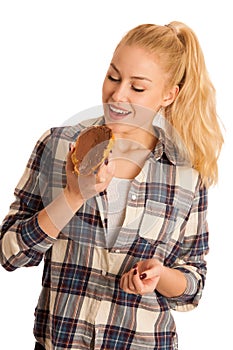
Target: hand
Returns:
[[84, 187], [143, 277]]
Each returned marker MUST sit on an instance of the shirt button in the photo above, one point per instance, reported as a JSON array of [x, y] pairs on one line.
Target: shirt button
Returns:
[[104, 273], [134, 197], [117, 251]]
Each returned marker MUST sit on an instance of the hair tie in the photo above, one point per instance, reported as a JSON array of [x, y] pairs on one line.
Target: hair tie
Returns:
[[172, 28]]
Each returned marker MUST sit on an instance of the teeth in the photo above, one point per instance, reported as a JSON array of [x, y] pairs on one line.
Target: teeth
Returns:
[[119, 111]]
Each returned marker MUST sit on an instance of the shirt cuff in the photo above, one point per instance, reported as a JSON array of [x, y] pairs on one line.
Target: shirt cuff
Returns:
[[34, 237], [191, 287], [186, 301]]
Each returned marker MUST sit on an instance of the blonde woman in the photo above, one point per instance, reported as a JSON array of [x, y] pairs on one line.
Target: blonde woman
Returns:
[[126, 245]]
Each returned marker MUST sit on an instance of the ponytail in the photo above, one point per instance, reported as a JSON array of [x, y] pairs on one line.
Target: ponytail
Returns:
[[193, 113]]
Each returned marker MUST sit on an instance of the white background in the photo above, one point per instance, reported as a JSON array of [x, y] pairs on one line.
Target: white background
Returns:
[[53, 58]]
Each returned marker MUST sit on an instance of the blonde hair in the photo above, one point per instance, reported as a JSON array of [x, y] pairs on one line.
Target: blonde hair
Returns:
[[193, 113]]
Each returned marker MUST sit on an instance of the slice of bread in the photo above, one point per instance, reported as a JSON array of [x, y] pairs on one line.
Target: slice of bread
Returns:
[[92, 148]]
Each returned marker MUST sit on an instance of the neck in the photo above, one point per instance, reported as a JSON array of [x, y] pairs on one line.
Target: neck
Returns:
[[124, 143], [137, 138]]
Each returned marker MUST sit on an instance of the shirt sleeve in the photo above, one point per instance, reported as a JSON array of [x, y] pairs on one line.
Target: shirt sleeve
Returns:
[[22, 242], [194, 248]]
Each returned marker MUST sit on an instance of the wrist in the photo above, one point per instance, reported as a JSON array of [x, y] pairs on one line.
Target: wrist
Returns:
[[172, 282], [75, 201]]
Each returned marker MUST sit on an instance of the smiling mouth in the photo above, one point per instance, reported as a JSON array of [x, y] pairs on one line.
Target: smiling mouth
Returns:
[[118, 111]]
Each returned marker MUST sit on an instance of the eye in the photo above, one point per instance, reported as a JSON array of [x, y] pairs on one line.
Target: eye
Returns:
[[137, 89], [110, 77]]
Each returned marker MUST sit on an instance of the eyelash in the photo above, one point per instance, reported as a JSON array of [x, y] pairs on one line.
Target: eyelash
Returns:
[[118, 80]]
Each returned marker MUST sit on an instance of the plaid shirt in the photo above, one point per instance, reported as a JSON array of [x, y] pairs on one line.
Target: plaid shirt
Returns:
[[81, 302]]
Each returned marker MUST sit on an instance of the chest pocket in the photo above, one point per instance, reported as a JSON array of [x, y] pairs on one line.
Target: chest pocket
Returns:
[[159, 222]]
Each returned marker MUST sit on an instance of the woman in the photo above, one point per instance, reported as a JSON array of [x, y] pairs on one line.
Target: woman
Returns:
[[126, 245]]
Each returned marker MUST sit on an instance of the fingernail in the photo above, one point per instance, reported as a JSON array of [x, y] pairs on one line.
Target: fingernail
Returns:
[[136, 265], [134, 271], [106, 161], [143, 276]]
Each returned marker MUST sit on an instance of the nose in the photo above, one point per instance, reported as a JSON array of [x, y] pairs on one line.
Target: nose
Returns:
[[120, 93]]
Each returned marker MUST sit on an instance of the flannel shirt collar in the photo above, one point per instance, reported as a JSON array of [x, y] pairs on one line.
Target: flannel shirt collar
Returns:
[[171, 146]]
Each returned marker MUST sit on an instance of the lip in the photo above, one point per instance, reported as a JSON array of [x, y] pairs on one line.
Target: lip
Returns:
[[118, 113]]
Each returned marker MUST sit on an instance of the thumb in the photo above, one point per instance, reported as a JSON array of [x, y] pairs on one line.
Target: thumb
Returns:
[[152, 272], [111, 167]]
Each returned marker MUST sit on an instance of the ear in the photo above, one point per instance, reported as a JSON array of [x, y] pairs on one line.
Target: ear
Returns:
[[170, 96]]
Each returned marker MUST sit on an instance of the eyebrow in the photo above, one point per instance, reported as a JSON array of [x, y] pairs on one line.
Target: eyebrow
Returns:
[[133, 77]]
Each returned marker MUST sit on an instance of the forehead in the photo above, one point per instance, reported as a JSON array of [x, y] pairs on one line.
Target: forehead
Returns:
[[136, 60]]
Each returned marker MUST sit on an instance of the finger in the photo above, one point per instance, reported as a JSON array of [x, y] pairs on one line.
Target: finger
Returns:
[[153, 272], [131, 283], [111, 167], [69, 163], [138, 284], [145, 284], [125, 284], [106, 172], [104, 177]]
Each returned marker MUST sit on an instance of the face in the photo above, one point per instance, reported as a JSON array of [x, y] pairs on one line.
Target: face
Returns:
[[133, 89]]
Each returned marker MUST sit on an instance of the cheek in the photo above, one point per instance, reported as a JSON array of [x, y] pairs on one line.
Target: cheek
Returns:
[[153, 101], [105, 90], [145, 102]]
